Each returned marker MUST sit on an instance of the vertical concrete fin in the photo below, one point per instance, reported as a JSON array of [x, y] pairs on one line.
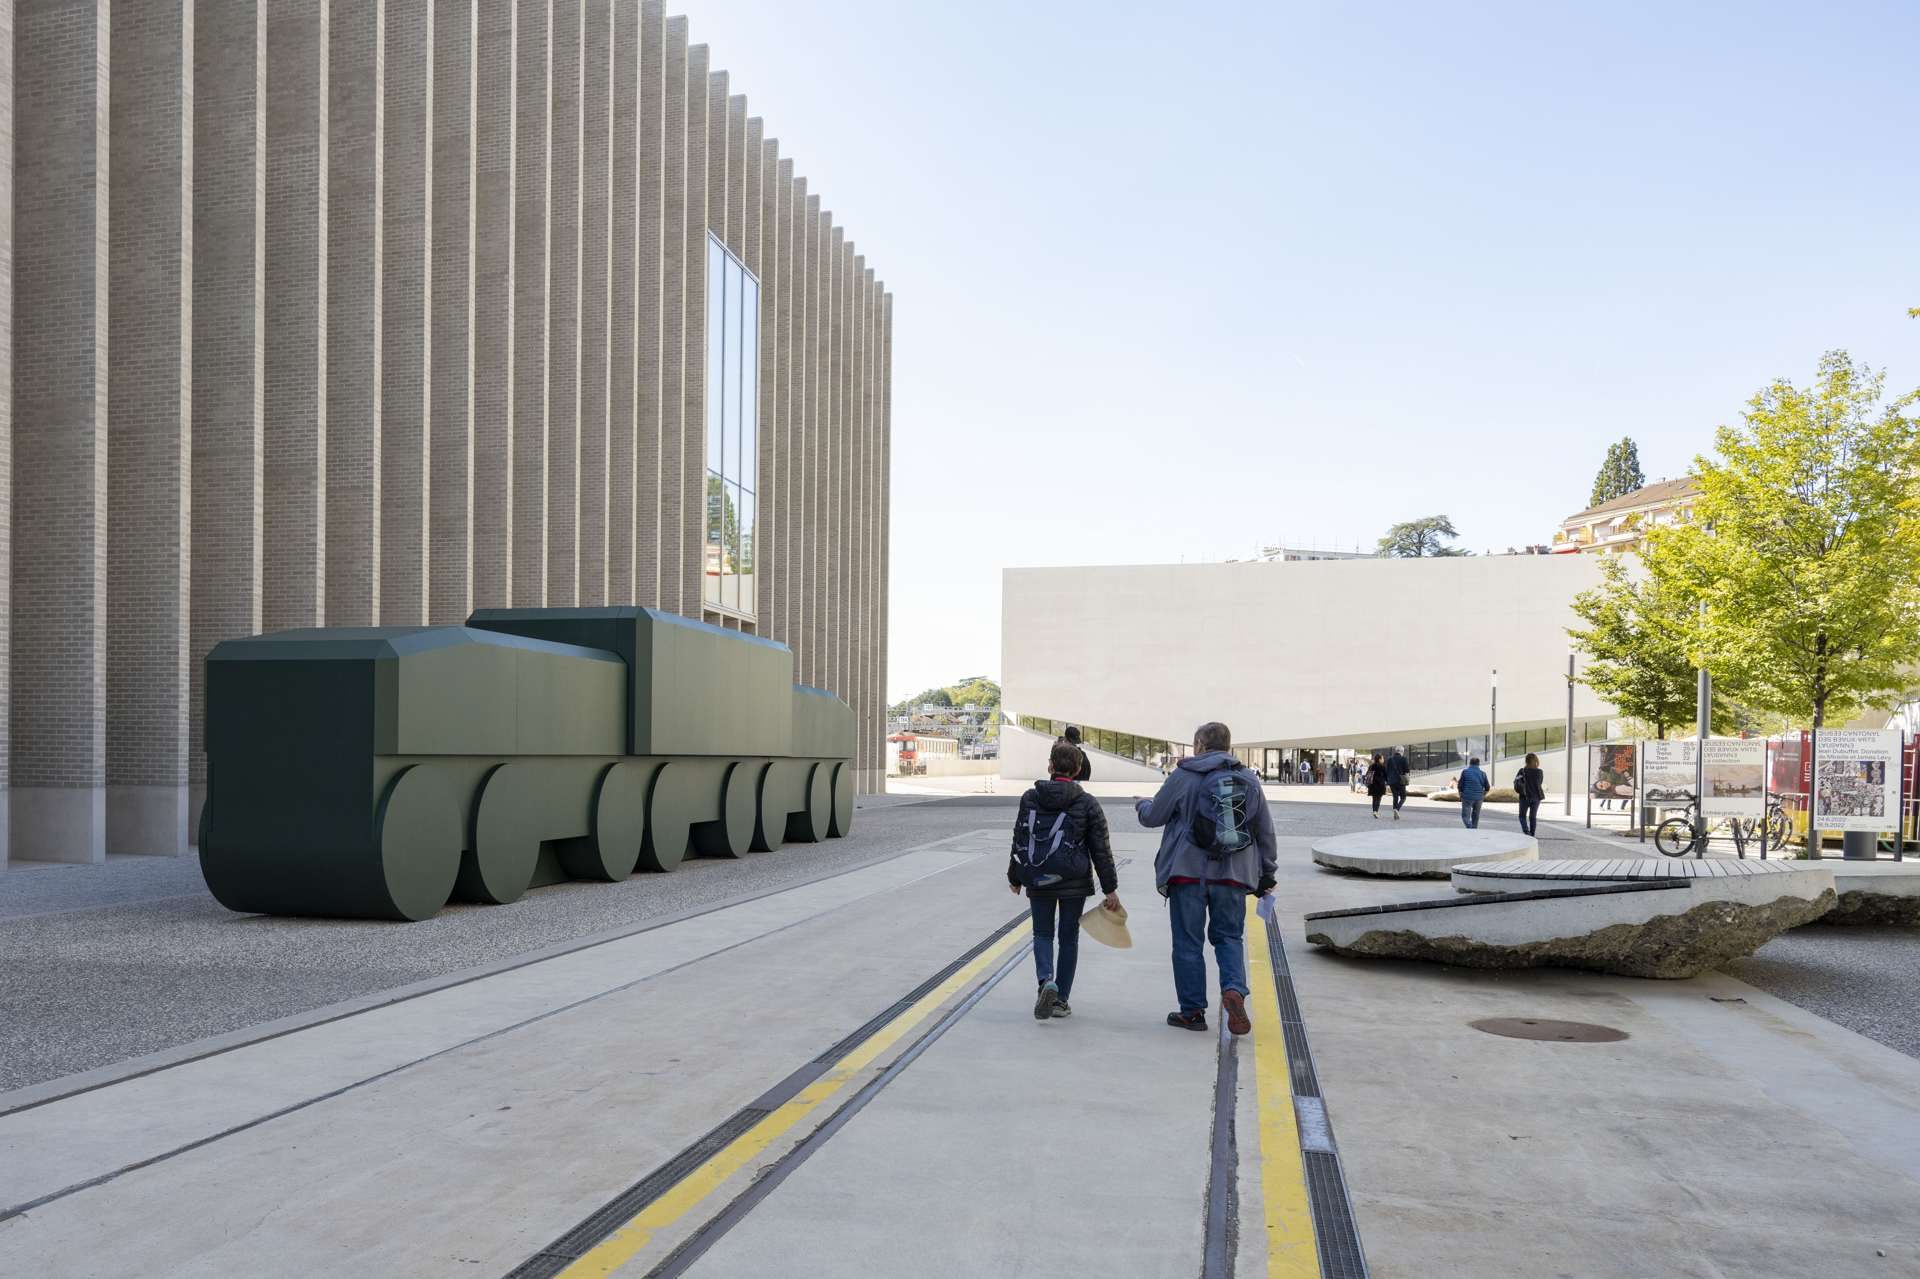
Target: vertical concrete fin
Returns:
[[673, 312], [532, 134], [6, 415], [149, 295], [406, 308], [60, 330], [650, 305], [623, 298], [356, 110], [496, 113], [294, 417], [596, 296], [450, 451], [563, 310], [691, 511], [227, 563]]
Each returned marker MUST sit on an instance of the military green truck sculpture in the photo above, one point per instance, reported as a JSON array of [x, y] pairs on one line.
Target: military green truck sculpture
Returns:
[[379, 773]]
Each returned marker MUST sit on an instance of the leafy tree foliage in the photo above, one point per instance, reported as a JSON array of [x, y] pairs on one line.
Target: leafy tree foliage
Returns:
[[1797, 582], [1418, 538], [1636, 645], [979, 691], [1620, 473]]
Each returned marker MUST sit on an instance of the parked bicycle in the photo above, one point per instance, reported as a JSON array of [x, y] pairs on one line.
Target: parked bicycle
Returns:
[[1685, 835]]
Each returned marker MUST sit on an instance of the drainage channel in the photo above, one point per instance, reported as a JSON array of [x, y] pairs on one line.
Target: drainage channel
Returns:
[[620, 1228], [1336, 1233]]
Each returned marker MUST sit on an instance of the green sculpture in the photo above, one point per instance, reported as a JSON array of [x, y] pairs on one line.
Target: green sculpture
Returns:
[[378, 773]]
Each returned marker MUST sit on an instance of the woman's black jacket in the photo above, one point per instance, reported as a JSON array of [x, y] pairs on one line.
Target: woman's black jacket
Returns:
[[1376, 779], [1532, 784], [1089, 824]]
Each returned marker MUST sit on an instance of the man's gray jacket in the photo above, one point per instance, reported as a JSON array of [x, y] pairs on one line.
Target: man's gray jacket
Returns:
[[1173, 810]]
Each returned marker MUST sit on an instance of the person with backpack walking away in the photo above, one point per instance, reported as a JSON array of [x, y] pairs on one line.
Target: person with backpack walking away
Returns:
[[1083, 768], [1397, 770], [1531, 782], [1216, 846], [1473, 791], [1059, 843], [1377, 784]]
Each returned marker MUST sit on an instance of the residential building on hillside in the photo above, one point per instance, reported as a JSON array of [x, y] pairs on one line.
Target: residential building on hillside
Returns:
[[1619, 525]]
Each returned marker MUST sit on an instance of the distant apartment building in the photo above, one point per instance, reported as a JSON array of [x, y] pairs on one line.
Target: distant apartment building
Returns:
[[1619, 525]]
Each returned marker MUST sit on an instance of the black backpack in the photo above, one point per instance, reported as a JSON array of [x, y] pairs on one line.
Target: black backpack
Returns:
[[1221, 825], [1050, 848]]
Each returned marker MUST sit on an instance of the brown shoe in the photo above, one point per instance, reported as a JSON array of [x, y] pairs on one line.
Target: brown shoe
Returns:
[[1236, 1007]]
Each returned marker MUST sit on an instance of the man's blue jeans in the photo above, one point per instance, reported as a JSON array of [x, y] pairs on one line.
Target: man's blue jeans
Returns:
[[1217, 913], [1470, 813], [1068, 934]]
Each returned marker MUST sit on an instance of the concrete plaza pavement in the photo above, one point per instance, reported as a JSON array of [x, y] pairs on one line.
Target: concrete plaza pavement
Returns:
[[470, 1126]]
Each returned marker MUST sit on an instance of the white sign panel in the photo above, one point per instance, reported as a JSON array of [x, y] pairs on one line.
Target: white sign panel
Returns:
[[1666, 771], [1736, 777], [1856, 780]]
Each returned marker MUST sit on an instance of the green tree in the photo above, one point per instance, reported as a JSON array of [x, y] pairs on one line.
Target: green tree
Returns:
[[1417, 538], [1637, 657], [1803, 554], [1620, 473]]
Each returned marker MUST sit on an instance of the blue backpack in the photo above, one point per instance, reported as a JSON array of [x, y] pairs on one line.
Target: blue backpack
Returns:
[[1050, 848], [1220, 822]]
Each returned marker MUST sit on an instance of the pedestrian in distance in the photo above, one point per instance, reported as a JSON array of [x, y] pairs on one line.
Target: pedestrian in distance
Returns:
[[1376, 783], [1059, 843], [1216, 847], [1531, 783], [1473, 792], [1397, 771], [1083, 769]]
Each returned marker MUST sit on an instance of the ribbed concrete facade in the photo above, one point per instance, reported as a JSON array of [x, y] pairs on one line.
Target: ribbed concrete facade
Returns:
[[370, 312]]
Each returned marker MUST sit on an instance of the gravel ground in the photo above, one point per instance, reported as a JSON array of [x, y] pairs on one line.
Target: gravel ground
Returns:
[[106, 962], [102, 963]]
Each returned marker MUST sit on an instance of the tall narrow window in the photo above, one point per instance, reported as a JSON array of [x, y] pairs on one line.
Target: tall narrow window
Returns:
[[733, 431]]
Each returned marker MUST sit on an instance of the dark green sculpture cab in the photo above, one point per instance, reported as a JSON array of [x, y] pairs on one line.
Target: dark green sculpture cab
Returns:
[[379, 773]]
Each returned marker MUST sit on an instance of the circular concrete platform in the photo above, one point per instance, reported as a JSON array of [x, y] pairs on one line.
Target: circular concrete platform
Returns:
[[1578, 873], [1421, 852]]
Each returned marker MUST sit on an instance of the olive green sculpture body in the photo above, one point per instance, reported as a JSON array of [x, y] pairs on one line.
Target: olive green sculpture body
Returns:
[[379, 773]]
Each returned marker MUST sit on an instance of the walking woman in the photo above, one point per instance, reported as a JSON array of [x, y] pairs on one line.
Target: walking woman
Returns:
[[1532, 786], [1376, 783], [1060, 844]]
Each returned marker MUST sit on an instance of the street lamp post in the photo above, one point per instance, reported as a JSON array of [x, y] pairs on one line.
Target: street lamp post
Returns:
[[1566, 802], [1493, 728]]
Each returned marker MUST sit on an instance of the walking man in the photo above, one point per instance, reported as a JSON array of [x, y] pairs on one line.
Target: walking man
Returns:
[[1397, 780], [1083, 772], [1473, 791], [1216, 846]]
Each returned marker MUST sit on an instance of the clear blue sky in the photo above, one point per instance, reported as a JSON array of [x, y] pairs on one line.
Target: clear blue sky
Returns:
[[1172, 281]]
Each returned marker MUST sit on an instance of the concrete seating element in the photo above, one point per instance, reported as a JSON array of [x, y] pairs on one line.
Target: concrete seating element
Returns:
[[1876, 893], [1578, 873], [1668, 927], [1416, 852]]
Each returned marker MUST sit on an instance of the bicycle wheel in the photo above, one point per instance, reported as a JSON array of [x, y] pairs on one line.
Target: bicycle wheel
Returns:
[[1777, 827], [1675, 837]]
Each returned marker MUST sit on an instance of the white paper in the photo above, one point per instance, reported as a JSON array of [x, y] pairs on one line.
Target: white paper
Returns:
[[1666, 771]]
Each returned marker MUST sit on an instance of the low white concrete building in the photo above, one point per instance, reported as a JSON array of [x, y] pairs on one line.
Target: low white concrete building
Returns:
[[1359, 654]]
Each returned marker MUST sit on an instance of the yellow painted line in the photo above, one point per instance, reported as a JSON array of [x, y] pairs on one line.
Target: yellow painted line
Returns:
[[1291, 1251], [627, 1242]]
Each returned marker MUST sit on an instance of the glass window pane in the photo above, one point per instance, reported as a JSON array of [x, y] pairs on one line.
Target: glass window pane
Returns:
[[711, 572], [734, 277], [730, 555], [716, 349], [749, 383], [743, 563]]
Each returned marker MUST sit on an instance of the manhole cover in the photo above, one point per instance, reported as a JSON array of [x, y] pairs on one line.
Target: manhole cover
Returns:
[[1558, 1032]]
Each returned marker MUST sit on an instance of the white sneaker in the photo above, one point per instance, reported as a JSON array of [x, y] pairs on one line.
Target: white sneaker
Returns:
[[1396, 814]]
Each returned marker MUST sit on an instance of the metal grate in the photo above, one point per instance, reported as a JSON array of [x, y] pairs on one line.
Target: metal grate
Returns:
[[1341, 1256], [610, 1216], [1334, 1228]]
